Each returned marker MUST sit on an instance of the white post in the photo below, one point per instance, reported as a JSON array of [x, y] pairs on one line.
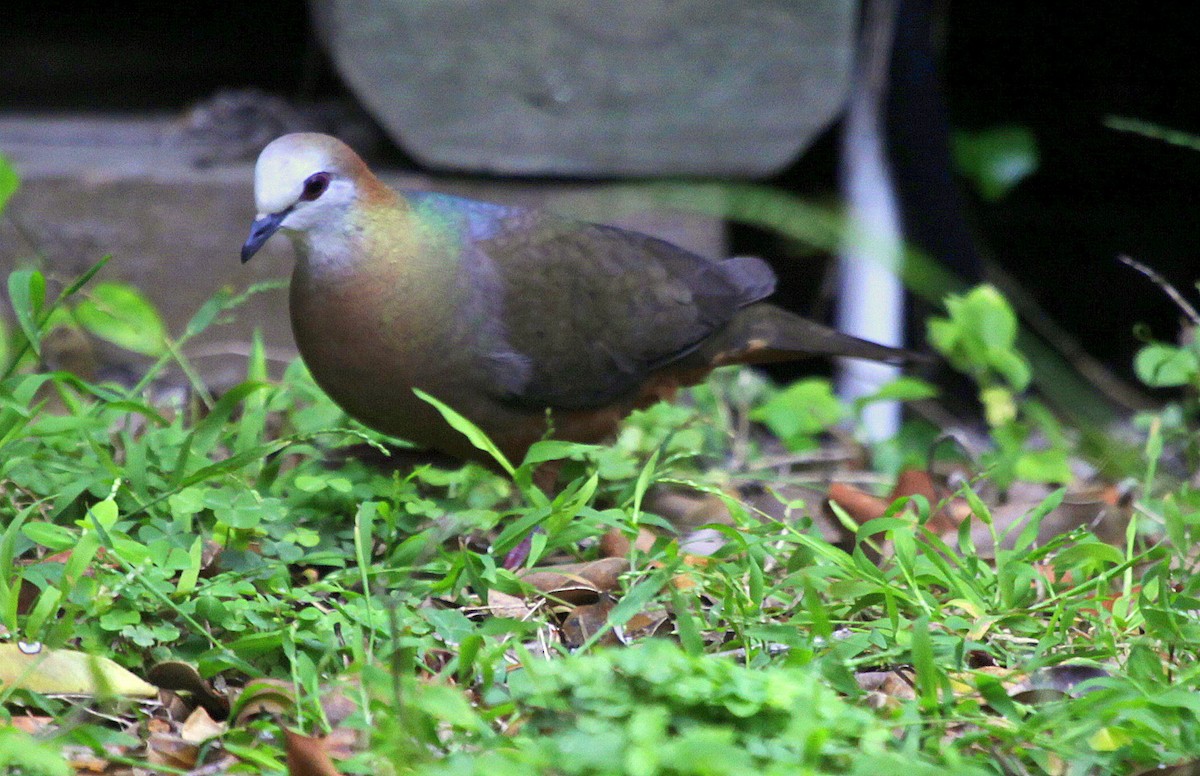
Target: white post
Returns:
[[871, 297]]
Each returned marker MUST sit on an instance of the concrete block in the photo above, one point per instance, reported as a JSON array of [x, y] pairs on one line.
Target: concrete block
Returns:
[[600, 88]]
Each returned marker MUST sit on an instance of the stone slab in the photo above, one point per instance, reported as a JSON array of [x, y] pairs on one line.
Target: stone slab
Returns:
[[601, 88]]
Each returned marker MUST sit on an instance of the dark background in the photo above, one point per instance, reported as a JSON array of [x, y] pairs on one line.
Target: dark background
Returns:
[[1056, 68]]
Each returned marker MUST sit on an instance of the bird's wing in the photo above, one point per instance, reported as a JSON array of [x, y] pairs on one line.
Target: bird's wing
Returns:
[[589, 311]]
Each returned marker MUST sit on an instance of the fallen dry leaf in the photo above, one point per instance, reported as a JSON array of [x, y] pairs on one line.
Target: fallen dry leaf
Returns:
[[1103, 509], [778, 503], [180, 677], [67, 672], [915, 482], [645, 625], [585, 621], [84, 760], [687, 509], [577, 583], [946, 513], [885, 688], [615, 544], [275, 697], [862, 507], [307, 756], [171, 751], [263, 696], [199, 727], [31, 724]]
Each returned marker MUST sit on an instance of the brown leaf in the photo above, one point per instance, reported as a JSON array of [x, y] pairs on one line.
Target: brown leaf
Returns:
[[172, 751], [861, 506], [687, 509], [1102, 509], [307, 756], [577, 583], [210, 558], [585, 621], [178, 676], [274, 697], [915, 482], [885, 688], [27, 596], [615, 544], [504, 605], [159, 725], [644, 625], [774, 503], [263, 696], [343, 742], [31, 724], [944, 519], [84, 760], [337, 706], [199, 727], [947, 518], [172, 705]]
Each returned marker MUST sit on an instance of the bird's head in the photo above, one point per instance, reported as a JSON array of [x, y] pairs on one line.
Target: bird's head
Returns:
[[303, 182]]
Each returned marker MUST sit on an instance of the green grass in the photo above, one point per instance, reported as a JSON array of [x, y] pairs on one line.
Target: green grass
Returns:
[[347, 576], [244, 536]]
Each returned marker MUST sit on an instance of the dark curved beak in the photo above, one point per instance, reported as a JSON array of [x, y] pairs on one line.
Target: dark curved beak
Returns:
[[260, 230]]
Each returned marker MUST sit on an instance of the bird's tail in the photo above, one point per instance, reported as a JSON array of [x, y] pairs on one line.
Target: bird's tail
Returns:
[[763, 333]]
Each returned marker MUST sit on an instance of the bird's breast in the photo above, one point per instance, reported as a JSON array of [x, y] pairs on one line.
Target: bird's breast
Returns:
[[369, 339]]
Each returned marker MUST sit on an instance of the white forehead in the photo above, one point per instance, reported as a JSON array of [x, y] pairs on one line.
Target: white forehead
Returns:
[[282, 168]]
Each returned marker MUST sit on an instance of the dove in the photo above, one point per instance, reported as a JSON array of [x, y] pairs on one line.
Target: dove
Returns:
[[529, 324]]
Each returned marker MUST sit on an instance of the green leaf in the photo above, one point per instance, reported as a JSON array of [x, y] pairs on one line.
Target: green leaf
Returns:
[[364, 531], [556, 449], [686, 624], [901, 389], [996, 159], [992, 318], [801, 410], [105, 513], [209, 429], [636, 599], [10, 181], [5, 349], [922, 659], [1044, 466], [27, 291], [999, 406], [942, 334], [467, 429], [1163, 366], [22, 753], [1013, 367], [120, 314], [54, 537], [253, 422], [644, 481], [84, 277], [1154, 131], [190, 574], [448, 705], [1095, 552]]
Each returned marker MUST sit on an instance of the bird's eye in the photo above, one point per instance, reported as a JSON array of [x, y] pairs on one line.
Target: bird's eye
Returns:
[[315, 186]]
